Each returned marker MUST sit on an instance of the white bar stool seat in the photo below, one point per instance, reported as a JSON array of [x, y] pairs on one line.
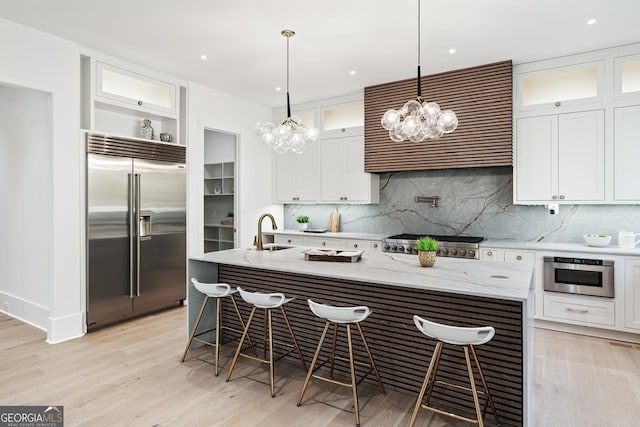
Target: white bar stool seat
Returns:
[[267, 302], [346, 316], [467, 338], [217, 291]]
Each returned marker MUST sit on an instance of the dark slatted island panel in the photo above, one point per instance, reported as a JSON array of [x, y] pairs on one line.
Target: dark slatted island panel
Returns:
[[401, 352]]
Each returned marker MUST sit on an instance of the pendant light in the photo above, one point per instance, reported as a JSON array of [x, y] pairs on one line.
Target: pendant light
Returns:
[[291, 134], [419, 120]]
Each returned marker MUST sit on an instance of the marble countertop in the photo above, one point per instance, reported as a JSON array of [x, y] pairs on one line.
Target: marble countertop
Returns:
[[510, 281], [559, 247], [338, 235]]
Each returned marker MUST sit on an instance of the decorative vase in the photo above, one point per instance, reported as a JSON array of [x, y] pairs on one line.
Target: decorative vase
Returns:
[[166, 137], [303, 226], [427, 258], [146, 131]]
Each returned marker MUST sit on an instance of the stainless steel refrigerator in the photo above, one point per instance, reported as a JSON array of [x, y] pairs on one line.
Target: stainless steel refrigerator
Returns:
[[136, 228]]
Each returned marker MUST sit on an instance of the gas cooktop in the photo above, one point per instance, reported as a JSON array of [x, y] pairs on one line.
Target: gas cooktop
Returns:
[[448, 246]]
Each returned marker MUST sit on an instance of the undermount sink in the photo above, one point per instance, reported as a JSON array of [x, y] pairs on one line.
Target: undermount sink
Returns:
[[276, 247]]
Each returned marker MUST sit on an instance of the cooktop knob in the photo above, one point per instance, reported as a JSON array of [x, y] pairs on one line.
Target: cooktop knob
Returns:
[[454, 252], [472, 253], [445, 251], [387, 247], [394, 247], [463, 252]]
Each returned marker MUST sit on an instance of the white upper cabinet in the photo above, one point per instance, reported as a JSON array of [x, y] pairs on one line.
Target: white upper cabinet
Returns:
[[343, 179], [296, 176], [563, 86], [342, 120], [332, 169], [134, 90], [627, 77], [627, 154], [117, 97], [577, 128], [560, 158]]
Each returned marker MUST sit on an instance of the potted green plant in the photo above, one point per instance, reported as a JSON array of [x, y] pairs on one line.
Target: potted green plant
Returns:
[[303, 222], [427, 248], [229, 220]]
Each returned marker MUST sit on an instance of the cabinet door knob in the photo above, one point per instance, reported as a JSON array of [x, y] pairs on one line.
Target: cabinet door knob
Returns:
[[519, 257], [139, 102], [289, 241], [375, 245], [489, 253], [554, 197], [355, 245], [562, 197], [558, 104], [324, 243]]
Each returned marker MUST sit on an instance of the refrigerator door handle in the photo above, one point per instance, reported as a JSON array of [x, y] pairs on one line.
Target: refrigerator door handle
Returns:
[[131, 232], [137, 214]]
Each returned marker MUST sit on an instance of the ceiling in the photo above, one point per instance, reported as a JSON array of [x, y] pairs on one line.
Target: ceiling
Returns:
[[378, 39]]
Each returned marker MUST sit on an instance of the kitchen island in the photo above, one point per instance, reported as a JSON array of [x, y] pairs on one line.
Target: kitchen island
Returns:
[[455, 291]]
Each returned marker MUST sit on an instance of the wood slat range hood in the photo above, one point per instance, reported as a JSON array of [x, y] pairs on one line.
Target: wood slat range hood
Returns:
[[480, 96]]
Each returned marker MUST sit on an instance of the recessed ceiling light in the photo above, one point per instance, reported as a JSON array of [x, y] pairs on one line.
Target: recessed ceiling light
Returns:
[[452, 51], [278, 88], [203, 57], [591, 21], [352, 72]]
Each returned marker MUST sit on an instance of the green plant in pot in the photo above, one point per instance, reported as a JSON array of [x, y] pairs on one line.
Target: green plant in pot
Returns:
[[303, 222], [427, 248], [229, 220]]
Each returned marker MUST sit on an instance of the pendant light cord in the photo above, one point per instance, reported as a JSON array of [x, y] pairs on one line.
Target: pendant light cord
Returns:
[[419, 74], [288, 103]]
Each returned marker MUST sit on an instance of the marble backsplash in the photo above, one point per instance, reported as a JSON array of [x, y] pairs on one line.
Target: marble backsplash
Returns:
[[474, 202]]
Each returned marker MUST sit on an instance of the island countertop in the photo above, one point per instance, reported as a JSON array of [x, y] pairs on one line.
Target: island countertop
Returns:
[[510, 281]]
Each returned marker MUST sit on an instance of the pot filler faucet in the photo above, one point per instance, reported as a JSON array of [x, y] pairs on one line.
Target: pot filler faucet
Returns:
[[273, 226]]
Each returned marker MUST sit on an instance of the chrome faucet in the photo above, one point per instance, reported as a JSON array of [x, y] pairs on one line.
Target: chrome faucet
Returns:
[[273, 226]]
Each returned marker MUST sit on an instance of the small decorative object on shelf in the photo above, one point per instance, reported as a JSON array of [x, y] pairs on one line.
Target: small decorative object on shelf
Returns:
[[166, 137], [303, 222], [229, 220], [146, 131], [427, 248]]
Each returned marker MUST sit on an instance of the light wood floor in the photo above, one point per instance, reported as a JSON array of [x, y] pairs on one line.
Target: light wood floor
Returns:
[[130, 375]]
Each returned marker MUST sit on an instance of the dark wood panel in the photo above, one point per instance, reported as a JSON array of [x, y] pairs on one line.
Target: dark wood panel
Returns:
[[480, 96], [401, 352]]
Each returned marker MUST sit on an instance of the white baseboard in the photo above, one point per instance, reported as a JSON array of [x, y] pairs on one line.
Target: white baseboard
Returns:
[[588, 330], [66, 328], [26, 311], [58, 329]]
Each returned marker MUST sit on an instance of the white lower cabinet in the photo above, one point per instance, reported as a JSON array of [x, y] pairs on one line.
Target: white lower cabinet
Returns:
[[596, 311], [318, 242], [364, 245], [492, 254], [281, 239], [632, 293]]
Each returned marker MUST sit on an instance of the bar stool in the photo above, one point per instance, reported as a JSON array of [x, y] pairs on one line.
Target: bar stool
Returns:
[[267, 302], [467, 338], [216, 291], [346, 316]]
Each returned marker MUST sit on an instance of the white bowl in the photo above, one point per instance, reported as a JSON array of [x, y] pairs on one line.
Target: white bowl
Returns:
[[597, 239]]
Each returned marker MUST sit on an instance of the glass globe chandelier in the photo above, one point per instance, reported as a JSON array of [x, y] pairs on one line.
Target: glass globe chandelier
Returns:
[[419, 120], [290, 135]]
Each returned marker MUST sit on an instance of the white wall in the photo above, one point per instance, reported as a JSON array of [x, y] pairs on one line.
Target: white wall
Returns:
[[26, 217], [215, 110], [32, 59]]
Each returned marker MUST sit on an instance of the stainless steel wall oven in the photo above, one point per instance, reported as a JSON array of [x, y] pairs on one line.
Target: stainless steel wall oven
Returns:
[[579, 276]]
